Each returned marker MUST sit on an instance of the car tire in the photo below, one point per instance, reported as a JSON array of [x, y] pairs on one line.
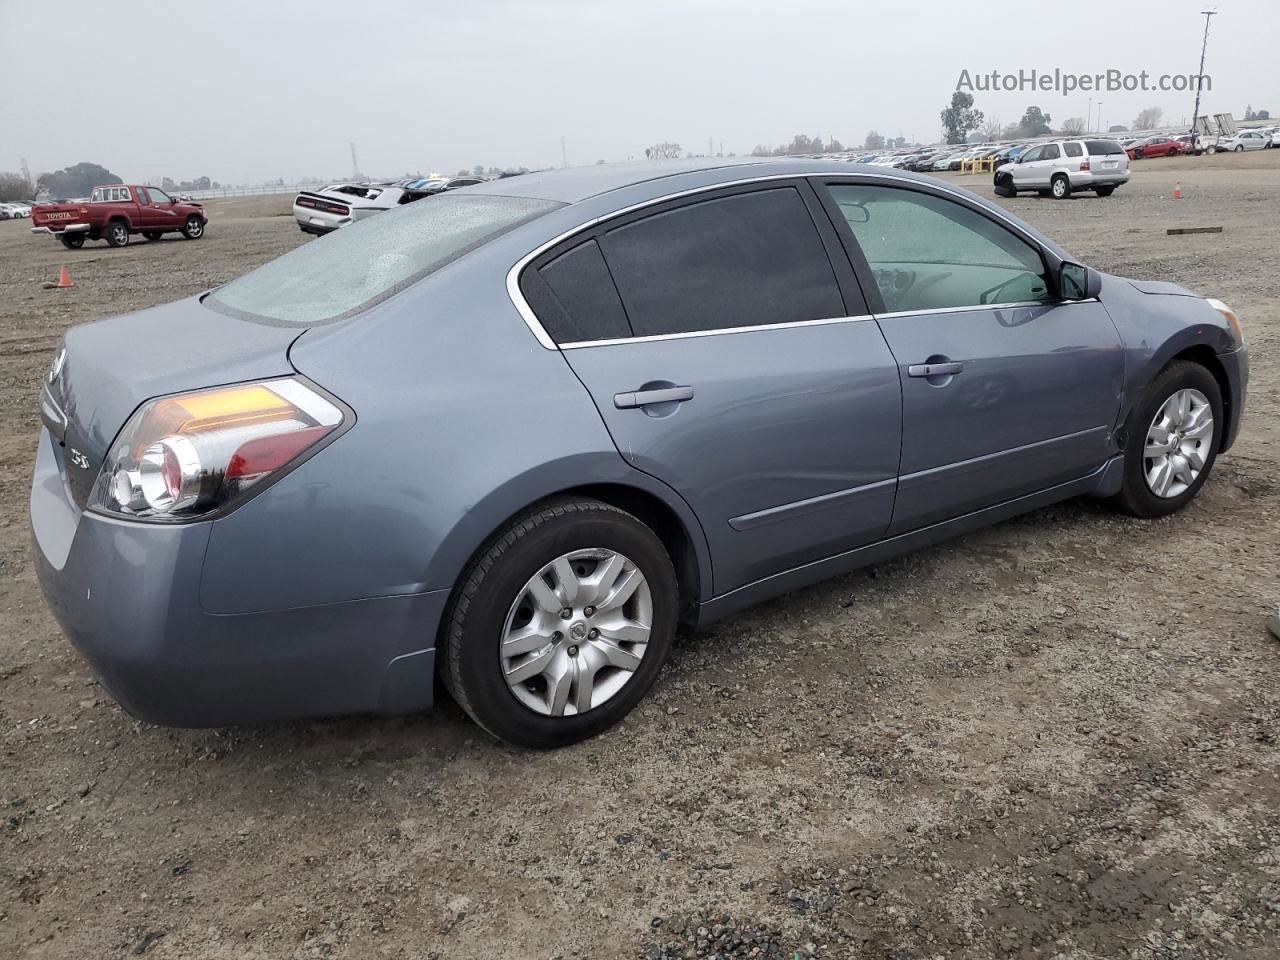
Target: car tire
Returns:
[[1060, 187], [193, 229], [1104, 191], [72, 241], [496, 598], [1239, 148], [152, 234], [1211, 151], [1002, 191], [117, 233], [1138, 154], [1137, 494]]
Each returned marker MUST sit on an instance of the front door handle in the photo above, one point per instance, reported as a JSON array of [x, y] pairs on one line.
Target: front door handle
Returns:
[[948, 369], [643, 398]]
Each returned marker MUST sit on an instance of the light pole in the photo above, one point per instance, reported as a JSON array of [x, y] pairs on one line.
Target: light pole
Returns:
[[1195, 116], [1088, 124], [1100, 126]]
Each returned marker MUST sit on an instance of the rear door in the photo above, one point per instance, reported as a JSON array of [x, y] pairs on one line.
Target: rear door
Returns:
[[747, 375], [1005, 390]]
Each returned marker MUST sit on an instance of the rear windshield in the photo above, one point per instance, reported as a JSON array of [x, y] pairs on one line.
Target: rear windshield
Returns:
[[347, 271], [1100, 148]]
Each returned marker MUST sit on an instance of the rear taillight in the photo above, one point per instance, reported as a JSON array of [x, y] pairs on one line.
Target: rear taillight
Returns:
[[1084, 164], [185, 456]]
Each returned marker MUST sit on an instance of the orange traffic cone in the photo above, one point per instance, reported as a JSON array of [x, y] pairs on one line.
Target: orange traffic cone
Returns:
[[64, 279], [1177, 190]]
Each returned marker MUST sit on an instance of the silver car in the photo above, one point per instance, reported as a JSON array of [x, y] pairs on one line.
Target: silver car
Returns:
[[512, 435], [1062, 167]]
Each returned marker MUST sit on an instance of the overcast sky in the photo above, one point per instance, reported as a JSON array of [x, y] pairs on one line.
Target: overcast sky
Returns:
[[250, 91]]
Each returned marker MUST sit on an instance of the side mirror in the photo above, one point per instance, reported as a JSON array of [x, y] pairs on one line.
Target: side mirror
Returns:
[[1078, 282]]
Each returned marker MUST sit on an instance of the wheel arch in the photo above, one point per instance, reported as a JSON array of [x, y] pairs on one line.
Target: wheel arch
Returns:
[[650, 501], [1203, 355]]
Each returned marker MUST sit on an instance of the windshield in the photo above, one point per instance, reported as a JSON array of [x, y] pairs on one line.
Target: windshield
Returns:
[[370, 260]]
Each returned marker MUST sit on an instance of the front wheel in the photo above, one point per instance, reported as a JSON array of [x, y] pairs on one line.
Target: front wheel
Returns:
[[1172, 441], [117, 233], [561, 626], [193, 229], [1240, 148], [72, 241]]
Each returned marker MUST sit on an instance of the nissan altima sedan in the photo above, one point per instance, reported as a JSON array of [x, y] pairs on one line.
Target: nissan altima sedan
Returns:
[[514, 436]]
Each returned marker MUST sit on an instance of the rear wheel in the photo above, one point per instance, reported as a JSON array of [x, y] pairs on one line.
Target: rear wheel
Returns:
[[1060, 187], [1138, 154], [193, 229], [72, 241], [1172, 441], [1104, 191], [562, 625], [152, 234], [117, 233]]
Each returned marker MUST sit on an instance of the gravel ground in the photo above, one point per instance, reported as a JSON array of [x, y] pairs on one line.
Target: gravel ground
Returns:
[[1055, 738]]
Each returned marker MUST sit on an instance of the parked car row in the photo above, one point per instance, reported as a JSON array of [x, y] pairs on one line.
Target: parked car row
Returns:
[[14, 211], [328, 208]]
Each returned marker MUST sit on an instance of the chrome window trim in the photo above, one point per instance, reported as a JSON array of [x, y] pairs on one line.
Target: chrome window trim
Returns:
[[982, 306], [536, 328], [720, 331]]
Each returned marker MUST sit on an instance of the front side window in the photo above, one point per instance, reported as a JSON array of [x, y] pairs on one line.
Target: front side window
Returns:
[[929, 253], [158, 196], [1032, 155], [371, 259], [738, 261]]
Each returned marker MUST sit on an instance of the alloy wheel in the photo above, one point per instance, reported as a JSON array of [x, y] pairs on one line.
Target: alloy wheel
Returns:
[[577, 632], [1178, 443]]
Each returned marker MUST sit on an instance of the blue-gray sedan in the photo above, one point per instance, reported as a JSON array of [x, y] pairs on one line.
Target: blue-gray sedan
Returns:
[[513, 435]]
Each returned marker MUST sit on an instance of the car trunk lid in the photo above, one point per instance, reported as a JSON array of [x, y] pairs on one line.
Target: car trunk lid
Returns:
[[105, 370]]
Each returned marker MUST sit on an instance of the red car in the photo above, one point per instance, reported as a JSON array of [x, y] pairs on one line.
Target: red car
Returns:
[[1155, 147], [116, 212]]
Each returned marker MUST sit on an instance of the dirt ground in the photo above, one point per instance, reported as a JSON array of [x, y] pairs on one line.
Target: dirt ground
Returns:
[[1055, 738]]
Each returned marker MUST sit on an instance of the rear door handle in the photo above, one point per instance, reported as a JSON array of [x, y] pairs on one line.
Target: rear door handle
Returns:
[[948, 369], [642, 398]]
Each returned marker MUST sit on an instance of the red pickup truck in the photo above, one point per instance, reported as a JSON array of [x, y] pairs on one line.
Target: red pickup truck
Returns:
[[116, 212]]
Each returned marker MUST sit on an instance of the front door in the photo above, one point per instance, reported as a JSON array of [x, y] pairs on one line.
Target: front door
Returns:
[[1005, 390], [159, 212], [745, 380]]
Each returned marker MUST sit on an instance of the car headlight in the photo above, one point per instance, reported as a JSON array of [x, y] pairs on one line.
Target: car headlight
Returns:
[[1233, 322], [183, 456]]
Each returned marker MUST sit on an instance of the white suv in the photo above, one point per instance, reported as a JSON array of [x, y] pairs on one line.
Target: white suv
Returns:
[[1059, 167]]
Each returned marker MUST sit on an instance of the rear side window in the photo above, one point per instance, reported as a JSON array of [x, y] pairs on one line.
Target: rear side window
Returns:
[[1073, 149], [1051, 152], [1102, 148], [370, 260], [738, 261], [574, 297]]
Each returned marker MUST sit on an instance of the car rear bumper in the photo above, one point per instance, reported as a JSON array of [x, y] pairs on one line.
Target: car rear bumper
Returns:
[[69, 228], [319, 222], [127, 596]]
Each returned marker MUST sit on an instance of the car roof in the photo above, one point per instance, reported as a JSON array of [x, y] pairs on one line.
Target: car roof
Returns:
[[572, 184]]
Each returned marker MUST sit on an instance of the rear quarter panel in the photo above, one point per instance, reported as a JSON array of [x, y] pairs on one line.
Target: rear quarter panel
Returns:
[[462, 420]]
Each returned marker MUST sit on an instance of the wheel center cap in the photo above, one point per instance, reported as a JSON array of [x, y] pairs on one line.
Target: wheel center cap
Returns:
[[578, 630]]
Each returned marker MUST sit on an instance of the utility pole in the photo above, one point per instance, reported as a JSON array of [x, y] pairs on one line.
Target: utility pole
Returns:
[[355, 167], [1102, 127], [564, 154], [1195, 116]]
